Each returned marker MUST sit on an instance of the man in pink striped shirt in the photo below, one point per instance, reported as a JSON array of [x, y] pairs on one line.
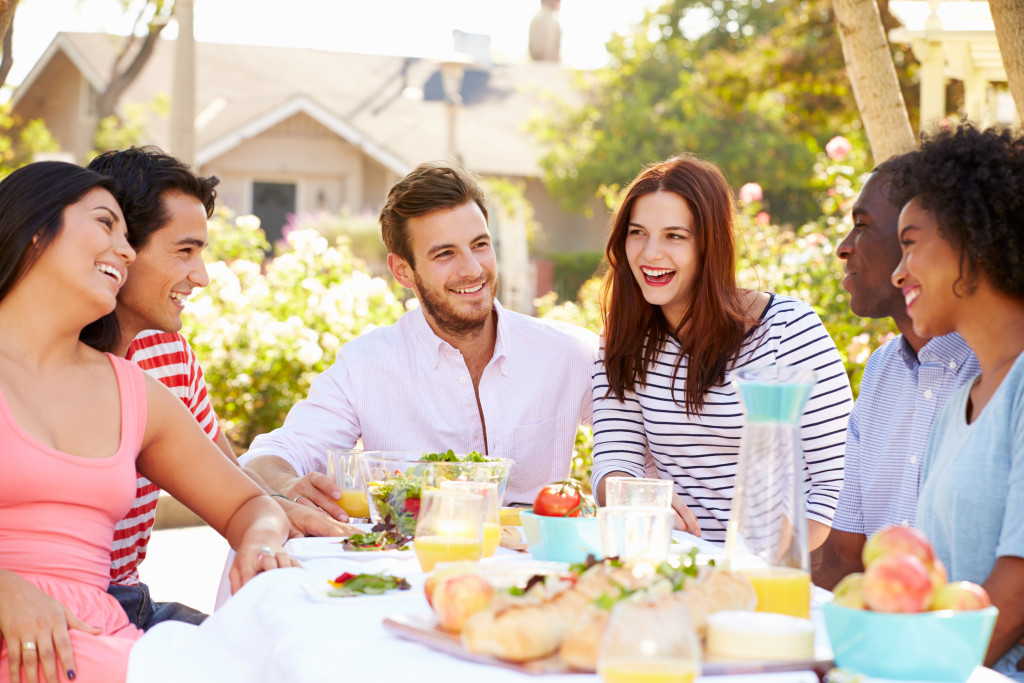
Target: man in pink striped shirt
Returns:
[[457, 372], [166, 207]]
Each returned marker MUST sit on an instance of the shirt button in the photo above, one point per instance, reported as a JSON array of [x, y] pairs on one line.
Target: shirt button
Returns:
[[928, 393], [952, 365], [462, 379], [905, 523], [913, 460]]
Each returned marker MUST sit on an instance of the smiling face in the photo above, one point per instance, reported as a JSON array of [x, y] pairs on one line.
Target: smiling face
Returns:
[[871, 251], [90, 254], [455, 277], [662, 252], [929, 274], [167, 269]]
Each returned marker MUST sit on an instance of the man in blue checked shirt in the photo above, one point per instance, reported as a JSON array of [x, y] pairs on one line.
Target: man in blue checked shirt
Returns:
[[905, 383]]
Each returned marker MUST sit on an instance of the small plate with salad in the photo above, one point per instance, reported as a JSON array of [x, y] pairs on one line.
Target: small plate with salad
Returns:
[[354, 585], [368, 545]]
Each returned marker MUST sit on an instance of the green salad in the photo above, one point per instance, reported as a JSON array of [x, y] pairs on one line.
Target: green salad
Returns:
[[396, 496]]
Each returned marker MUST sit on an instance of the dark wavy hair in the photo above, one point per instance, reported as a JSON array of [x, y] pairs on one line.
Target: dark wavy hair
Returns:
[[32, 203], [428, 187], [634, 330], [972, 181], [143, 175]]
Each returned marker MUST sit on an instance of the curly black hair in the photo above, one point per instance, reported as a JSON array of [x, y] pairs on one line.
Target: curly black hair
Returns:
[[972, 181]]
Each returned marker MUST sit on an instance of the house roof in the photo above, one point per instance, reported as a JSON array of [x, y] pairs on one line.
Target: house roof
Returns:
[[392, 107]]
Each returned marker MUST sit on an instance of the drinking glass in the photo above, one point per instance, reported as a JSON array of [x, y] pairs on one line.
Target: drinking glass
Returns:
[[343, 467], [492, 520], [450, 527], [636, 534], [638, 492], [649, 641]]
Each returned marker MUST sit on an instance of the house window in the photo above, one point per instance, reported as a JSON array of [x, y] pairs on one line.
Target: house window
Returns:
[[271, 203]]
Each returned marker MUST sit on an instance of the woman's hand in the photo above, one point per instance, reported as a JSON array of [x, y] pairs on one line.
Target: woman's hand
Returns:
[[685, 519], [255, 557], [35, 627]]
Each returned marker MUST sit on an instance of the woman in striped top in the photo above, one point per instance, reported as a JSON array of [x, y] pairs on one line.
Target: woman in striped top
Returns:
[[676, 327]]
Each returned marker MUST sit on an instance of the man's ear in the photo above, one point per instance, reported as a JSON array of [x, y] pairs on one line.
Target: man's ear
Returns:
[[401, 269]]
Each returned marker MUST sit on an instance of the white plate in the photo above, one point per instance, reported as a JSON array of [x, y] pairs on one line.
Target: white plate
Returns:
[[330, 546], [318, 592]]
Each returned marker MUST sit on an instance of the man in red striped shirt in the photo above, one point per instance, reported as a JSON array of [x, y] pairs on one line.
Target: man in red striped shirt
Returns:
[[166, 207]]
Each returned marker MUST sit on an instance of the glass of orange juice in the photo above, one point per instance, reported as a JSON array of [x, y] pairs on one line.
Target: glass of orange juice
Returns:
[[649, 641], [492, 523], [450, 527], [343, 466], [785, 590]]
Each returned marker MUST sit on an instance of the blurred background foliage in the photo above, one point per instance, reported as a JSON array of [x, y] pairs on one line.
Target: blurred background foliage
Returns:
[[757, 94]]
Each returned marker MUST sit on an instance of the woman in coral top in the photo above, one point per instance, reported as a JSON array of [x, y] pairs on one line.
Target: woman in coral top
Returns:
[[75, 423]]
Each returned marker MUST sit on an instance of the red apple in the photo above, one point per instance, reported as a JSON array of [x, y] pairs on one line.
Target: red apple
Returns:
[[848, 592], [898, 539], [961, 595], [897, 583], [457, 598]]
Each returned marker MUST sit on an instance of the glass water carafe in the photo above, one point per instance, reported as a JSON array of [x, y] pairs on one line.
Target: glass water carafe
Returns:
[[766, 538]]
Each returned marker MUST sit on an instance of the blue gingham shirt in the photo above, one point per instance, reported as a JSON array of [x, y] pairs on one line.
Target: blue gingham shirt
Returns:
[[886, 439]]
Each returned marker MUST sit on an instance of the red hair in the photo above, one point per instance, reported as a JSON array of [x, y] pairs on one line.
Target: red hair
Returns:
[[715, 322]]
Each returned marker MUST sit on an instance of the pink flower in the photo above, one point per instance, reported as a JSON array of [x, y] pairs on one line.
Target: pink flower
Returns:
[[751, 192], [762, 218], [837, 148]]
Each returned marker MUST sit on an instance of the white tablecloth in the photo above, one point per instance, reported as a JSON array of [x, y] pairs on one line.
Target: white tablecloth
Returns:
[[280, 628]]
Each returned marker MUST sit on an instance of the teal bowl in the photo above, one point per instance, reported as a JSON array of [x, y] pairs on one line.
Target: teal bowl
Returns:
[[927, 646], [561, 539]]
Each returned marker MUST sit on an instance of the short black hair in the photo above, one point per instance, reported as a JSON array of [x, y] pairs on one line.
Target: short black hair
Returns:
[[143, 175], [972, 181]]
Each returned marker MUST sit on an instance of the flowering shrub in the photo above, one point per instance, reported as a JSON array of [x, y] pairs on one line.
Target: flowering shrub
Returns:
[[264, 328]]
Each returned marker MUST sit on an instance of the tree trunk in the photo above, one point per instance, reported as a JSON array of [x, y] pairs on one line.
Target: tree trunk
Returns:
[[873, 78], [1008, 18], [7, 8]]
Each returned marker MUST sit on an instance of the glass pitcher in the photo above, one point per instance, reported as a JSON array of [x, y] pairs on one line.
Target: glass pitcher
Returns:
[[766, 538]]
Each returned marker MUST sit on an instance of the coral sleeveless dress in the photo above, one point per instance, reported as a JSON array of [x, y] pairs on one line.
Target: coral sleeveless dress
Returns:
[[57, 517]]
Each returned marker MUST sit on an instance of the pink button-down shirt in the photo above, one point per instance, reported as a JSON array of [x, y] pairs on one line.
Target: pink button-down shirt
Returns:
[[404, 388]]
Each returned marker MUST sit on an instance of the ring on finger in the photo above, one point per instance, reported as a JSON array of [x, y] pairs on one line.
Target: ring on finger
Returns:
[[28, 645], [265, 551], [301, 495]]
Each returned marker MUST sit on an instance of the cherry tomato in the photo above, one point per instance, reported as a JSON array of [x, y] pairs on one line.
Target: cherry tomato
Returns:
[[412, 506], [561, 499]]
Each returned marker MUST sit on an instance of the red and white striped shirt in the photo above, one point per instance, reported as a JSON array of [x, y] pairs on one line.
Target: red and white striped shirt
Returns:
[[167, 357]]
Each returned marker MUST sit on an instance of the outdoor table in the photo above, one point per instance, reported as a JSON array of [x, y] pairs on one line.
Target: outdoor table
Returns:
[[281, 627]]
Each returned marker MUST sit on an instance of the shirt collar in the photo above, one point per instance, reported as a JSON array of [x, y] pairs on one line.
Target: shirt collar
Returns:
[[949, 349], [432, 344]]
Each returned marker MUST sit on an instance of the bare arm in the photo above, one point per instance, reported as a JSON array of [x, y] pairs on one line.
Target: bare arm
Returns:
[[178, 456], [1005, 585], [817, 532], [314, 490], [837, 557]]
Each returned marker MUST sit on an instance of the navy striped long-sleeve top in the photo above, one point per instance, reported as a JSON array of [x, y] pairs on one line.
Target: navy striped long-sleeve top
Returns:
[[700, 453]]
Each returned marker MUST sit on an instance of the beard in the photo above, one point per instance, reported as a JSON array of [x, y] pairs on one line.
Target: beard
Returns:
[[447, 316]]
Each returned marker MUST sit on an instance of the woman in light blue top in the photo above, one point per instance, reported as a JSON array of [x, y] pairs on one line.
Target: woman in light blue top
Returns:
[[962, 233]]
